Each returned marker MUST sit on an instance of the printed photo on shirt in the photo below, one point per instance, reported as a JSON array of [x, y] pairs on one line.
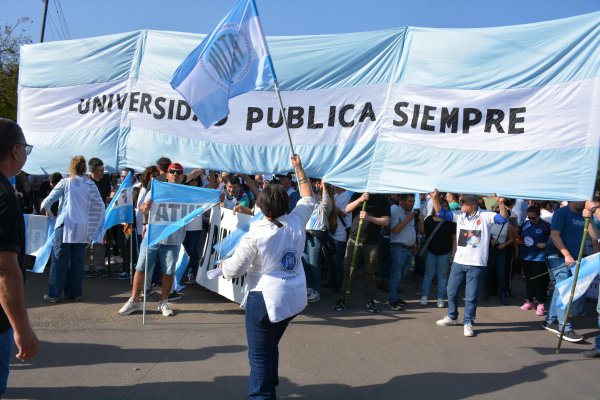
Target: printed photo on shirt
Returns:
[[469, 238]]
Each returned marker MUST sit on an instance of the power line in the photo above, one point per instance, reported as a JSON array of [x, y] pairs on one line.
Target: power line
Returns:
[[62, 17], [60, 22]]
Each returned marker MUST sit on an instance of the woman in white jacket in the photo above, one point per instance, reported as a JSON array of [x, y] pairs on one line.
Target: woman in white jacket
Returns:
[[80, 221], [270, 253]]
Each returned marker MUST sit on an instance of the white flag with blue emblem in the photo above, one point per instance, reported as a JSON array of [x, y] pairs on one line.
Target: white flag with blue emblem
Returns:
[[232, 60], [589, 269], [120, 209]]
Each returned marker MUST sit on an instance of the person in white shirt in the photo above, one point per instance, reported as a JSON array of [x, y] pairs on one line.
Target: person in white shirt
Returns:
[[275, 284], [470, 260]]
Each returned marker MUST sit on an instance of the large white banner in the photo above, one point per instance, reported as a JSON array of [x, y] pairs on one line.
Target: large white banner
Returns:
[[513, 110]]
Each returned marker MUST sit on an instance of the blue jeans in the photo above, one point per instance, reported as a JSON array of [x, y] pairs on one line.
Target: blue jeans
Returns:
[[263, 348], [401, 259], [436, 266], [337, 274], [559, 271], [6, 342], [497, 266], [312, 255], [66, 269], [458, 273], [191, 243]]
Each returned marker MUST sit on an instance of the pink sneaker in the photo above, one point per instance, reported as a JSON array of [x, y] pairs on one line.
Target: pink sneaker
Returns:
[[527, 306], [541, 310]]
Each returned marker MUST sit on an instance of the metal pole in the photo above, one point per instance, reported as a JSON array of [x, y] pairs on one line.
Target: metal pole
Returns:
[[575, 276], [44, 21], [352, 263], [285, 121]]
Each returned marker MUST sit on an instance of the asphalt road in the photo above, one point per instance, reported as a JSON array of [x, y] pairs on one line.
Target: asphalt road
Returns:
[[88, 351]]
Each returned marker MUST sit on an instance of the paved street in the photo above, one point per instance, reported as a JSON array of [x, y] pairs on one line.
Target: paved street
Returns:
[[88, 351]]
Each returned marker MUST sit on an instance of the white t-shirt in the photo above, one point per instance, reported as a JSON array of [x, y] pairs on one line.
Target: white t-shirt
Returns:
[[473, 237]]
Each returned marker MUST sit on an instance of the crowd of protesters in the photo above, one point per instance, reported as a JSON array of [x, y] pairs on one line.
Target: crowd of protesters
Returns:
[[455, 240]]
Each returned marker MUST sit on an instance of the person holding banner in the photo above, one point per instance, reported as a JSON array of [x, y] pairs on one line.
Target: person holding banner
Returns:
[[165, 252], [270, 253], [80, 221], [14, 322], [562, 248], [470, 260]]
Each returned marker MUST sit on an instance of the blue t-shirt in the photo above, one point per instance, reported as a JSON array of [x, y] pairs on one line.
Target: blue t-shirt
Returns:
[[570, 225], [533, 234]]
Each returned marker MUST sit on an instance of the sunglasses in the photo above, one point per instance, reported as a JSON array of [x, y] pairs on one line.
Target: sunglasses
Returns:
[[28, 148], [175, 172]]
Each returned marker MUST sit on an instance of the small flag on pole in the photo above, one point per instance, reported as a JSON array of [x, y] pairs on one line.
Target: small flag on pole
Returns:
[[232, 60], [120, 209], [590, 268]]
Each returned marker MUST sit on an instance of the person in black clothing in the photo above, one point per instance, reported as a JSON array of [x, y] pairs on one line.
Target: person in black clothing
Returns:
[[441, 243], [96, 252], [13, 313], [376, 216]]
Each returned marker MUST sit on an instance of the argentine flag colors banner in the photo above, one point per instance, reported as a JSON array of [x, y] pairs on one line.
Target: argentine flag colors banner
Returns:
[[588, 270], [39, 237], [513, 110], [174, 206], [120, 209]]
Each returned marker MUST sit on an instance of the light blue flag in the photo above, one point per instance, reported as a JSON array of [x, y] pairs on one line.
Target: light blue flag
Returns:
[[39, 236], [226, 246], [120, 209], [174, 206], [232, 60], [590, 267]]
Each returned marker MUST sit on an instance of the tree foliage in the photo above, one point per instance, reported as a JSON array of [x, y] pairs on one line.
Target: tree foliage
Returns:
[[11, 39]]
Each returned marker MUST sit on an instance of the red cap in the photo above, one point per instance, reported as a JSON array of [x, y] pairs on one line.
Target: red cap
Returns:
[[176, 166]]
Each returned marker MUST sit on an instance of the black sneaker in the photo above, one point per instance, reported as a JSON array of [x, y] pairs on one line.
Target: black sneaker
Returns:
[[339, 305], [571, 336], [174, 296], [591, 353], [371, 306], [400, 301], [552, 327], [395, 305], [123, 275]]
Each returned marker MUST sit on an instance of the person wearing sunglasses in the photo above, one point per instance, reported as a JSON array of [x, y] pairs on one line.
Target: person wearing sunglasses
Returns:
[[473, 238], [165, 252], [14, 322]]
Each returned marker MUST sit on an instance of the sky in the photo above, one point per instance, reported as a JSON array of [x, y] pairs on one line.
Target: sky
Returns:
[[85, 18]]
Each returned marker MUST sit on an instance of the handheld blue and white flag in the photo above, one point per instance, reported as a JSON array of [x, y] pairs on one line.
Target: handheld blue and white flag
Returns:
[[226, 246], [120, 209], [174, 206], [590, 267], [182, 262], [39, 236], [232, 60]]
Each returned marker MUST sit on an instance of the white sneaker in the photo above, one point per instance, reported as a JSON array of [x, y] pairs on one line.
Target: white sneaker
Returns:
[[423, 301], [440, 303], [130, 307], [469, 330], [165, 308], [446, 321], [314, 297], [309, 292]]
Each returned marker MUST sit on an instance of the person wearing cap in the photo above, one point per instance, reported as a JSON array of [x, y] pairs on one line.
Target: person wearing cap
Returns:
[[14, 322], [470, 260], [285, 180], [166, 252]]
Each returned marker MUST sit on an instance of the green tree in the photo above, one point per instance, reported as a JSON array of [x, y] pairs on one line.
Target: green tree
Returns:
[[11, 40]]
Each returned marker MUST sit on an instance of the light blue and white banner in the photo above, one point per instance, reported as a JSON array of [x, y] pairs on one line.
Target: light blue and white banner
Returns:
[[182, 262], [120, 209], [39, 236], [174, 206], [232, 60], [588, 270], [513, 110]]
